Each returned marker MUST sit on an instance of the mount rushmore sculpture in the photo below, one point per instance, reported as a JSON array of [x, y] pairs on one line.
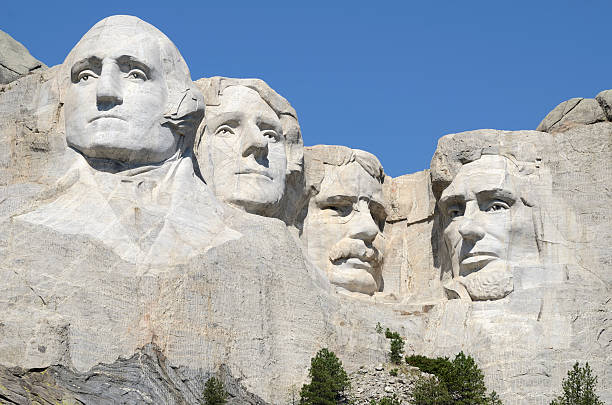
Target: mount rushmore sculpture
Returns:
[[142, 212]]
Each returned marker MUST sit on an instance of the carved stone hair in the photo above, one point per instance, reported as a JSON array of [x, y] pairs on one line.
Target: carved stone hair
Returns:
[[213, 88], [316, 157], [185, 105]]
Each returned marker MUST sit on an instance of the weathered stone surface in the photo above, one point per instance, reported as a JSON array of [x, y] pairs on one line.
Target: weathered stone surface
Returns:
[[370, 382], [577, 111], [125, 275], [15, 60], [144, 378], [409, 197]]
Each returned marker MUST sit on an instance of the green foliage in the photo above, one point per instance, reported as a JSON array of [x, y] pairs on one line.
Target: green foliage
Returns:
[[579, 387], [457, 382], [214, 392], [467, 383], [394, 400], [379, 328], [397, 346], [493, 399], [327, 380], [430, 391], [393, 372], [440, 366]]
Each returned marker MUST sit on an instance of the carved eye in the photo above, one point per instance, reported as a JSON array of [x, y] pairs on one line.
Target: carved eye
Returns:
[[85, 75], [497, 206], [338, 209], [454, 212], [137, 74], [271, 135], [224, 130]]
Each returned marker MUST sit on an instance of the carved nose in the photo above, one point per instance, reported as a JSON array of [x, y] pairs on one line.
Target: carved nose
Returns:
[[108, 89], [470, 230], [255, 144], [363, 226]]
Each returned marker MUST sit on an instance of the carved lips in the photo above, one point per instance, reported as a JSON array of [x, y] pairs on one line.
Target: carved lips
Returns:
[[254, 172], [476, 260], [105, 116]]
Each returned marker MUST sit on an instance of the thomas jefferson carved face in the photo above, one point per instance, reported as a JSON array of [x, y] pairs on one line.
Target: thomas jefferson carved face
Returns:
[[343, 228], [489, 226], [117, 97], [245, 146]]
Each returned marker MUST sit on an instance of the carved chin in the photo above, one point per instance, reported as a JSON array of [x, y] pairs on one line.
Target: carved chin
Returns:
[[493, 282], [256, 195]]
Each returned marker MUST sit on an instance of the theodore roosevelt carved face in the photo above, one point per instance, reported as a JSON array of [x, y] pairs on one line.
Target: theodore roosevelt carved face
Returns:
[[489, 226], [124, 77], [343, 227]]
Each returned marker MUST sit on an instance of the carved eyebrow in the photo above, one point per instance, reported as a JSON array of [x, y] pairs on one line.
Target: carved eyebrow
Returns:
[[448, 200], [334, 198], [273, 124], [133, 62], [91, 62], [497, 193], [233, 117]]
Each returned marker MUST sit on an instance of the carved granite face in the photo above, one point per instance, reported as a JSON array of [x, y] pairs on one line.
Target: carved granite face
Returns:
[[343, 228], [245, 146], [488, 227], [117, 96]]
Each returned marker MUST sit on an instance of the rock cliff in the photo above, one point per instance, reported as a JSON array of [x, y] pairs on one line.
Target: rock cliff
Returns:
[[132, 277]]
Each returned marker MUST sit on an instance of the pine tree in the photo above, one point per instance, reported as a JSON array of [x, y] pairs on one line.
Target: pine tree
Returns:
[[430, 391], [214, 392], [327, 380], [466, 385], [579, 388], [397, 346], [457, 382]]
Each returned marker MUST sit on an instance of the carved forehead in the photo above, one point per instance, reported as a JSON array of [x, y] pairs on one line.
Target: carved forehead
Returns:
[[489, 173], [116, 32], [122, 35], [350, 180], [244, 100]]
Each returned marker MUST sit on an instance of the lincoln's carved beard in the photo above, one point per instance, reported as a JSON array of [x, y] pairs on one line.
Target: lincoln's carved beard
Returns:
[[491, 283]]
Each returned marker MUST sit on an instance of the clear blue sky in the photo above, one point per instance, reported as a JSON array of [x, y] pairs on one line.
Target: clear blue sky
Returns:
[[387, 77]]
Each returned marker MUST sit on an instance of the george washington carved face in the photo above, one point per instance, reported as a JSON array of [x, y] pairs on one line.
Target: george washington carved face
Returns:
[[124, 78]]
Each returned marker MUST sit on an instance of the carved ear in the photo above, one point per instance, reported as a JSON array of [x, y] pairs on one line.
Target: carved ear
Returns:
[[185, 103]]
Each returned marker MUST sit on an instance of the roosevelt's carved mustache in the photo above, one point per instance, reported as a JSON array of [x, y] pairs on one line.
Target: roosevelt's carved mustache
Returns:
[[354, 248]]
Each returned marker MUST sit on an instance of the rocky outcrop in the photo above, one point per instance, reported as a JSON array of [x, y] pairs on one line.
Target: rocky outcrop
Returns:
[[144, 378], [375, 382], [15, 60], [128, 279]]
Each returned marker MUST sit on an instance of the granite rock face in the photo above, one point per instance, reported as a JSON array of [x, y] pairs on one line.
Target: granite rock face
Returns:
[[15, 60], [131, 275]]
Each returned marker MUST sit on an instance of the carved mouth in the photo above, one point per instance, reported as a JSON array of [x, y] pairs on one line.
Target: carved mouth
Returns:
[[354, 262], [104, 116], [477, 260], [253, 172]]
